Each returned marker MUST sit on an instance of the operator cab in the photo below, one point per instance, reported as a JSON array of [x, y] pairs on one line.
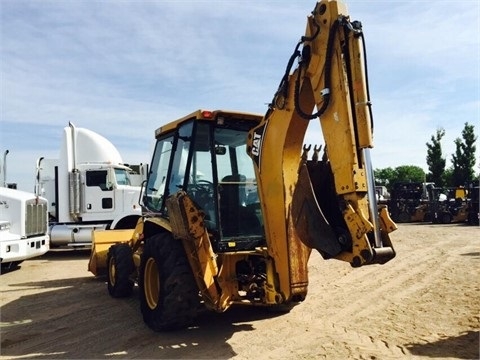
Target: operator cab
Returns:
[[205, 155]]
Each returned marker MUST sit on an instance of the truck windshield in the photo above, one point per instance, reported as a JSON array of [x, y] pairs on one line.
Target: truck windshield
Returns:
[[122, 177]]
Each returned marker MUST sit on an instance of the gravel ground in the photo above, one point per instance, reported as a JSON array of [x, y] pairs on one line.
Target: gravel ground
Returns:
[[423, 304]]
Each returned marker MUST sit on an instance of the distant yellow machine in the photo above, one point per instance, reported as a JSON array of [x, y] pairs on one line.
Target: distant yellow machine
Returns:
[[234, 203], [448, 205]]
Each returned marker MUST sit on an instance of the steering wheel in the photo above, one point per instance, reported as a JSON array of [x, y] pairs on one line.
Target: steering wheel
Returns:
[[203, 188]]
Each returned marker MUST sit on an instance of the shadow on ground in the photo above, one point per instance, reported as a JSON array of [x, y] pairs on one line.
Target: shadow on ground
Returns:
[[463, 346], [76, 318]]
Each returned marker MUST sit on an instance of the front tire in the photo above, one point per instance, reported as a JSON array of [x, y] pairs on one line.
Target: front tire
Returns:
[[10, 266], [120, 267], [169, 296]]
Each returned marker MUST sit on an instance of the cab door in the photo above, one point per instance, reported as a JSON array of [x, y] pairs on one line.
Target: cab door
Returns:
[[98, 193]]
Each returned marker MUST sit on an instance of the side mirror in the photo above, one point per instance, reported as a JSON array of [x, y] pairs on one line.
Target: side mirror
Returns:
[[220, 150], [111, 180]]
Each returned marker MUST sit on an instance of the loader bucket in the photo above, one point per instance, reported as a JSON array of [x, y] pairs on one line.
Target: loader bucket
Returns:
[[101, 242]]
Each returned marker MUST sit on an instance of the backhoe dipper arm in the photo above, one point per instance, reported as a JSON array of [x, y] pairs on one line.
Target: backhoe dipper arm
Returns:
[[327, 203]]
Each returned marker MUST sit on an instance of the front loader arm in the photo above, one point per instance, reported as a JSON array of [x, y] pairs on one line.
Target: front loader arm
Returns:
[[327, 203]]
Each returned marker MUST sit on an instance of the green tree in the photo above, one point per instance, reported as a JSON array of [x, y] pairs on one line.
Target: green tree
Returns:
[[409, 173], [384, 176], [448, 177], [463, 159], [404, 173], [435, 161]]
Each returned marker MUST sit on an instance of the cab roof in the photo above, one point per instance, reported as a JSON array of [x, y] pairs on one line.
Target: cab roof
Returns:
[[208, 115]]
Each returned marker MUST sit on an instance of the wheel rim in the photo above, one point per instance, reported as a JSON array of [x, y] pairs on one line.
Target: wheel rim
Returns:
[[111, 271], [151, 283]]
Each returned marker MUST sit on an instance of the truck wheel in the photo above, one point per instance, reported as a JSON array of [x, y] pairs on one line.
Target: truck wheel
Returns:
[[169, 297], [120, 267], [9, 266]]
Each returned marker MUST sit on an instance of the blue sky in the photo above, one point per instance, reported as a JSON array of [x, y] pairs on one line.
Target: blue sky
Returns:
[[124, 68]]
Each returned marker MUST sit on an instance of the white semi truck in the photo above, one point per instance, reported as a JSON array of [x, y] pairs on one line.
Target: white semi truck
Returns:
[[23, 224], [88, 188]]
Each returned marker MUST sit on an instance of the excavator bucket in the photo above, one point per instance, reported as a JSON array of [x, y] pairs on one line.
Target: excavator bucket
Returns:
[[101, 242], [316, 218], [317, 215]]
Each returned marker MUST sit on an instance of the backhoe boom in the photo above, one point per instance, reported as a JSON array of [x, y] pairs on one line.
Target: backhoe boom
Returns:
[[328, 204]]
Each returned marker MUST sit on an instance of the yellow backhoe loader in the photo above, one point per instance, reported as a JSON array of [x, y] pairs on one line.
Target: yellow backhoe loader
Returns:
[[234, 202]]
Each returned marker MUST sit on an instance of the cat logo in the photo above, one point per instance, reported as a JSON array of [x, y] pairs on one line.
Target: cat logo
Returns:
[[256, 143], [256, 149]]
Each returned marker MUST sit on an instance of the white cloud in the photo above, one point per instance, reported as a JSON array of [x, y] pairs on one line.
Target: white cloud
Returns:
[[125, 68]]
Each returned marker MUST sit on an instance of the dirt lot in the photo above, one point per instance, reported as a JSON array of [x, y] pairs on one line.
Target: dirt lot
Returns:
[[423, 304]]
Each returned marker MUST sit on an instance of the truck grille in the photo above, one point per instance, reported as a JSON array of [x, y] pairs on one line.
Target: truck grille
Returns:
[[36, 219]]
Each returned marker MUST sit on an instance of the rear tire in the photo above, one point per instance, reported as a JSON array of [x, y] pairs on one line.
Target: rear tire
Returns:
[[169, 297], [120, 267]]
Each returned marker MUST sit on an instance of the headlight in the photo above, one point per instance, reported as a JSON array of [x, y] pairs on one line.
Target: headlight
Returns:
[[4, 225]]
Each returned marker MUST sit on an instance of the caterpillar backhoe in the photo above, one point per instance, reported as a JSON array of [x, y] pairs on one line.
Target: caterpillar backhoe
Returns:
[[235, 202]]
